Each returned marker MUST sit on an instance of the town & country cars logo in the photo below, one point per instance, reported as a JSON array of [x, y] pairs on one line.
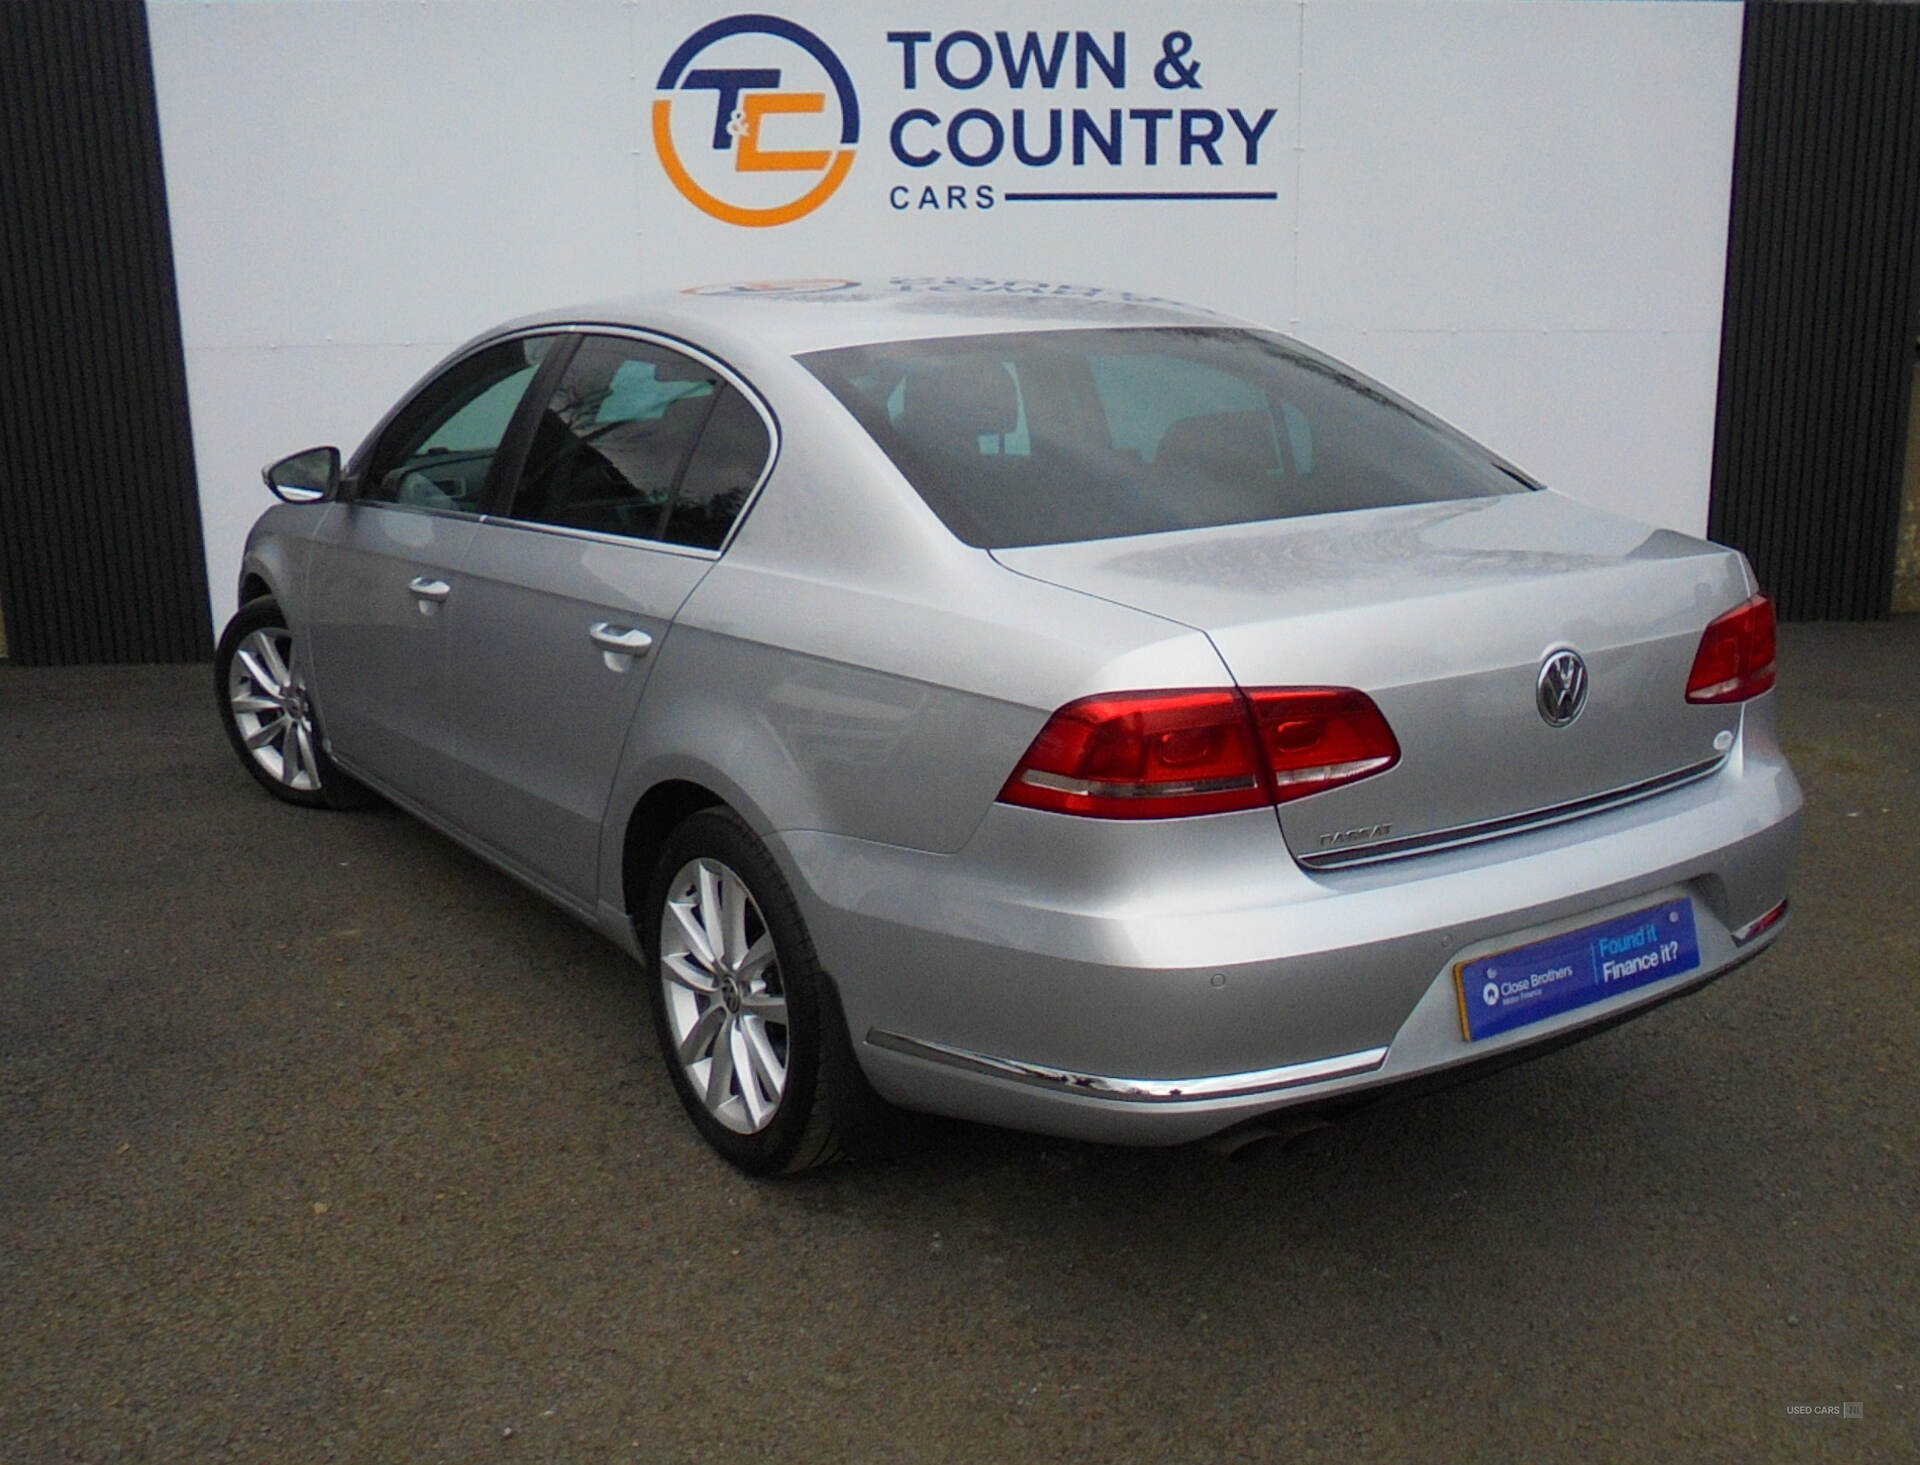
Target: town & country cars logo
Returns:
[[756, 120]]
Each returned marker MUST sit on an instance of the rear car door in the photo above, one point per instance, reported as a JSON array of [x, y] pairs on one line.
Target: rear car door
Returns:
[[635, 469], [382, 581]]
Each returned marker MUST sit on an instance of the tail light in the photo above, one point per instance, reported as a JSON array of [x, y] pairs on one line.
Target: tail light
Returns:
[[1160, 755], [1735, 659], [1318, 738]]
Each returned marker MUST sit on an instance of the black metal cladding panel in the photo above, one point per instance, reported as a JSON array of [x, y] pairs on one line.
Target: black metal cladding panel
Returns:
[[101, 555], [1822, 304]]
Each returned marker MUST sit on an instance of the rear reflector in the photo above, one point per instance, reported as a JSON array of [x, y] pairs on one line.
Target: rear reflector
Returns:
[[1760, 927], [1161, 755], [1735, 659]]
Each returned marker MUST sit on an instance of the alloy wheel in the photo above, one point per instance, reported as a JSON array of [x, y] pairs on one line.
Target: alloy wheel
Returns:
[[267, 689], [726, 1004]]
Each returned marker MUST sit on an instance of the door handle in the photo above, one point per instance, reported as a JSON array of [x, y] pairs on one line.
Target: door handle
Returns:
[[619, 643]]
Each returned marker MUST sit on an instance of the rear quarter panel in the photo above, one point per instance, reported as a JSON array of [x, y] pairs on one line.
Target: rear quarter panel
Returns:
[[849, 666]]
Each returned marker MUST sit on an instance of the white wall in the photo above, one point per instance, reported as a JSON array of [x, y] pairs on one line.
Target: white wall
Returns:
[[1514, 211]]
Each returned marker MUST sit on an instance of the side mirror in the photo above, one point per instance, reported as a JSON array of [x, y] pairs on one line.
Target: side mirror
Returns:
[[304, 478]]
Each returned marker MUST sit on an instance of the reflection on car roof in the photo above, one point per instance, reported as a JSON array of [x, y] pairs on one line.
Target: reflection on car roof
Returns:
[[816, 313]]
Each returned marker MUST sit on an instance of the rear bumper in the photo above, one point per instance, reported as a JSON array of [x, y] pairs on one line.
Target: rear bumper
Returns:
[[1153, 984], [1129, 1111]]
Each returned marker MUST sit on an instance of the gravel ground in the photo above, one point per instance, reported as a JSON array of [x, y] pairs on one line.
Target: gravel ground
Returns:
[[322, 1141]]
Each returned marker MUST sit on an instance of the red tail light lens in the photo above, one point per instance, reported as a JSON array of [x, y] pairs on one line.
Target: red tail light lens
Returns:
[[1160, 755], [1142, 755], [1317, 738], [1735, 659]]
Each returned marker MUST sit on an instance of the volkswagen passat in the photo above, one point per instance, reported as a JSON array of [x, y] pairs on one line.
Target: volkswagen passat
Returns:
[[1043, 706]]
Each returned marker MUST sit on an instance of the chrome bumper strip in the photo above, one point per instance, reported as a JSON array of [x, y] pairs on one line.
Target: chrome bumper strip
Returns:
[[1135, 1090], [1462, 834]]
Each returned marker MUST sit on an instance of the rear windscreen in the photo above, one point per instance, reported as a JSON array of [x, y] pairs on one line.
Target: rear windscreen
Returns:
[[1047, 437]]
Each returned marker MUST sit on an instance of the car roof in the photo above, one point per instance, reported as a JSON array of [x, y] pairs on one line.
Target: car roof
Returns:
[[796, 316]]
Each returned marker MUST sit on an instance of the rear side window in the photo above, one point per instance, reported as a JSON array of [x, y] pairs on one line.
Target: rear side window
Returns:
[[727, 463], [643, 441], [1053, 436], [611, 442]]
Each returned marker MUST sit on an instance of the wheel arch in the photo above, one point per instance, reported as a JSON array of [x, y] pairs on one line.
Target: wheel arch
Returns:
[[659, 811]]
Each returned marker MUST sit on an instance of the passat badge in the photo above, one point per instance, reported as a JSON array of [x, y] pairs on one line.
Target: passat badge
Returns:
[[1561, 690]]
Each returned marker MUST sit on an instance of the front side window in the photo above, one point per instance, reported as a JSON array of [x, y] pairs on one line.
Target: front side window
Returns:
[[438, 453], [1048, 437]]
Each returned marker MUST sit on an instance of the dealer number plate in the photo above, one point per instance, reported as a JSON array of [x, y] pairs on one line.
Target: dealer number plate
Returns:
[[1530, 983]]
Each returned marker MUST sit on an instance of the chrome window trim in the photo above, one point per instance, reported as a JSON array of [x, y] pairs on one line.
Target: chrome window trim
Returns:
[[1477, 833], [596, 536], [1135, 1090], [463, 516]]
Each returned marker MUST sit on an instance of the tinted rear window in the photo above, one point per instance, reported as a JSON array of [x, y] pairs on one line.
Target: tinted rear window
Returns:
[[1048, 437]]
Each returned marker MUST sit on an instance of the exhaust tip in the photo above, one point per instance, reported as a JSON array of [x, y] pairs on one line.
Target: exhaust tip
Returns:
[[1242, 1143]]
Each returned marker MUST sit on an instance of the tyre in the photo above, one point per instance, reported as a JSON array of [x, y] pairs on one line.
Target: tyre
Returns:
[[268, 711], [749, 1025]]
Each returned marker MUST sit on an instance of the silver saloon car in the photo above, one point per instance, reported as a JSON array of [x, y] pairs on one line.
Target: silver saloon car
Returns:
[[1051, 707]]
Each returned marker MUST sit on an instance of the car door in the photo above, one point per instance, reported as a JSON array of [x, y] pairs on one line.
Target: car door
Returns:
[[382, 582], [634, 471]]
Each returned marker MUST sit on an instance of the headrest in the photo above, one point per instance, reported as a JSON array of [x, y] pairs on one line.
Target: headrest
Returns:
[[960, 399]]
